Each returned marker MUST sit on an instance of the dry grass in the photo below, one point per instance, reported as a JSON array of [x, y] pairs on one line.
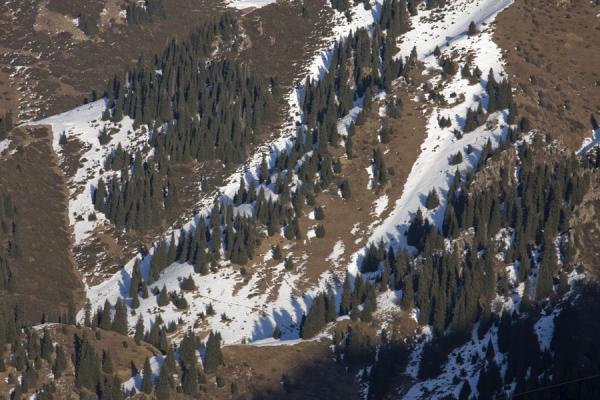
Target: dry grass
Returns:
[[552, 53], [45, 276]]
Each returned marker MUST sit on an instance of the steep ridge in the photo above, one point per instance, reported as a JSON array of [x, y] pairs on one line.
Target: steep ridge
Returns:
[[246, 312], [405, 224], [286, 311]]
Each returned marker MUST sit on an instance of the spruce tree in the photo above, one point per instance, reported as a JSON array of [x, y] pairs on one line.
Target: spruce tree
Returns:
[[163, 388], [214, 356], [163, 297], [119, 324], [147, 380], [432, 200]]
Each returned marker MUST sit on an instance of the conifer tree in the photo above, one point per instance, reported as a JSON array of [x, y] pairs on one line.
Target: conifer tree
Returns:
[[472, 29], [119, 324], [147, 383], [163, 388], [276, 332], [432, 200], [163, 297], [60, 362], [105, 319], [214, 356]]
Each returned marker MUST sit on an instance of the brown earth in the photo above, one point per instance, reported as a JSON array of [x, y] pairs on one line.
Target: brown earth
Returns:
[[282, 38], [110, 248], [586, 229], [45, 277], [124, 353], [309, 366], [351, 220], [552, 50], [54, 65]]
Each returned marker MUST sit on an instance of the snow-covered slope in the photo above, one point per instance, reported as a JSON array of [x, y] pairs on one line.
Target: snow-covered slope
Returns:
[[250, 316], [85, 124], [248, 313], [432, 170]]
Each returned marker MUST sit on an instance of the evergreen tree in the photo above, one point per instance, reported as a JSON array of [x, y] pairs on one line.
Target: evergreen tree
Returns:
[[214, 356], [163, 297], [432, 200], [119, 323], [147, 380], [163, 388]]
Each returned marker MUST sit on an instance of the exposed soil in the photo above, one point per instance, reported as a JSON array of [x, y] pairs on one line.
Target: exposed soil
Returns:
[[45, 277], [349, 221], [257, 372], [282, 38], [586, 229], [552, 49], [54, 65]]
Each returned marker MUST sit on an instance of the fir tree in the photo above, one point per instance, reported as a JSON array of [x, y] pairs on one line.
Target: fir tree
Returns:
[[147, 380], [214, 356], [119, 323]]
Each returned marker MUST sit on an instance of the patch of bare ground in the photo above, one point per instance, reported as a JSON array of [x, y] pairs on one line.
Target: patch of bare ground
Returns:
[[8, 96], [53, 23], [349, 222], [586, 229], [282, 38], [64, 62], [125, 355], [46, 280], [123, 350], [71, 157], [258, 372], [552, 50]]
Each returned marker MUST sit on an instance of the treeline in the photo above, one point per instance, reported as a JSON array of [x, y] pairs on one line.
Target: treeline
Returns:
[[139, 196], [197, 109], [396, 8], [190, 374], [6, 124], [275, 200], [137, 13], [29, 355], [211, 107]]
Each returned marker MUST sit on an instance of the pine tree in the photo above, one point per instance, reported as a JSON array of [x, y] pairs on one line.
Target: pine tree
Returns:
[[214, 356], [432, 200], [147, 381], [163, 388], [116, 391], [163, 297], [107, 366], [60, 362], [472, 29], [47, 348], [189, 380], [315, 319], [346, 302], [408, 292], [276, 332], [105, 320], [119, 324]]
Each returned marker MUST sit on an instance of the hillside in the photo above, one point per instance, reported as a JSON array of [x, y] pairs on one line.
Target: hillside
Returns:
[[378, 199]]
